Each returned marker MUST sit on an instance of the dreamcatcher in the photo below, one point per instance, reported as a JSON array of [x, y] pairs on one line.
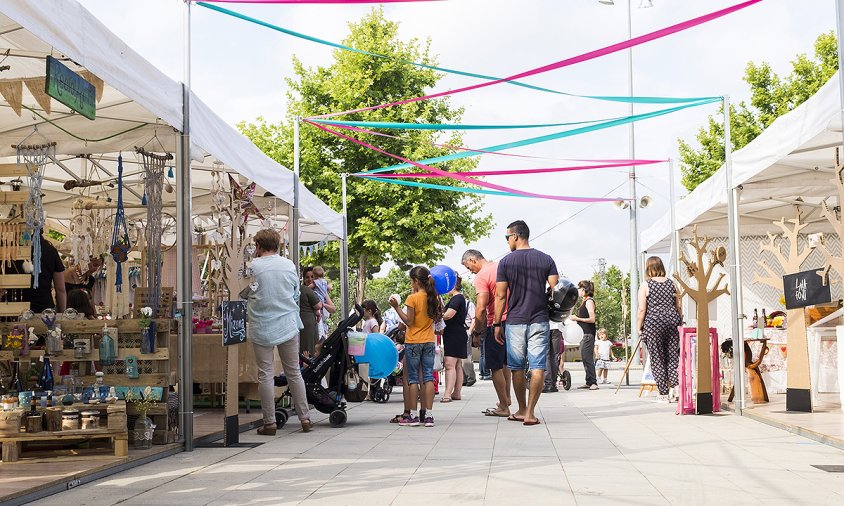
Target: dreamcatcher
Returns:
[[81, 237], [35, 158], [120, 243]]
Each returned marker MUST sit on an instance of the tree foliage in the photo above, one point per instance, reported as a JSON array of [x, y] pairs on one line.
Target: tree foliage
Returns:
[[610, 297], [771, 96], [386, 222]]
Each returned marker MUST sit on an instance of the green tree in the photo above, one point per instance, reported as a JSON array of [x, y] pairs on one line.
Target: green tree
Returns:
[[771, 96], [610, 299], [386, 222]]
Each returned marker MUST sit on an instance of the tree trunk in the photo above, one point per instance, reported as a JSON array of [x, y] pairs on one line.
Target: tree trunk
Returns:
[[361, 279], [703, 400]]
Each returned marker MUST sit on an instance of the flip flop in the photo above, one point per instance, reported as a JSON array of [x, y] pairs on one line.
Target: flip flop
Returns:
[[513, 418], [535, 422], [445, 399], [492, 412]]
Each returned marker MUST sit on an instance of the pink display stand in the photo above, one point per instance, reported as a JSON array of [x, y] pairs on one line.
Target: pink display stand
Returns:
[[686, 371]]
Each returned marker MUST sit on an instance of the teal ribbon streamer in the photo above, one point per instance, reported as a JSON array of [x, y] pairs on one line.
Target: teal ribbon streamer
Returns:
[[627, 100], [430, 186], [447, 126], [545, 138]]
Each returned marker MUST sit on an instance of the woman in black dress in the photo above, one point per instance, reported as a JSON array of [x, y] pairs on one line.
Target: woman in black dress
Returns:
[[586, 319], [660, 313], [454, 341]]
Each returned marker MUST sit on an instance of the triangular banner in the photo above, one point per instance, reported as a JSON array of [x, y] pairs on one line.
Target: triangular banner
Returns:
[[35, 85], [12, 91]]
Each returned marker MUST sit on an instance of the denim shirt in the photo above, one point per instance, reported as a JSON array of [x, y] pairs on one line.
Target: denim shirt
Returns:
[[273, 305]]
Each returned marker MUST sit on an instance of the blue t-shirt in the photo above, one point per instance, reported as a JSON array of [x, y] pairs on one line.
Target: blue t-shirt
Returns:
[[526, 271]]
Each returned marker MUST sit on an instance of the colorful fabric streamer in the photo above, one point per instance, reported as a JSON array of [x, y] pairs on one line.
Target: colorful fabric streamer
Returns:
[[619, 46], [542, 138], [313, 1], [635, 100], [519, 172], [458, 176], [430, 186], [448, 126]]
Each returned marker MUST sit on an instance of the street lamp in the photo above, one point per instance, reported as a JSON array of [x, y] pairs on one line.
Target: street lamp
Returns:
[[634, 223]]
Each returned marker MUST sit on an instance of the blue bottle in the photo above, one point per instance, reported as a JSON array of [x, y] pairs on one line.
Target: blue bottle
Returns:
[[106, 348], [46, 381]]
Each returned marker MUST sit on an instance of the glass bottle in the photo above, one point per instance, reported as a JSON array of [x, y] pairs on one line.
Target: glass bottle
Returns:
[[46, 380], [764, 318], [16, 385], [755, 318], [106, 348]]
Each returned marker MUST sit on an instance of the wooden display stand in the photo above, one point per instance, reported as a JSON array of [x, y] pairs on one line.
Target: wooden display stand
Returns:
[[112, 427], [798, 393], [691, 362], [707, 384], [11, 233], [158, 414]]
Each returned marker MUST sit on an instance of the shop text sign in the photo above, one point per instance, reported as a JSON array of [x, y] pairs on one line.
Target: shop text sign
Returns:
[[234, 322], [805, 289], [69, 88]]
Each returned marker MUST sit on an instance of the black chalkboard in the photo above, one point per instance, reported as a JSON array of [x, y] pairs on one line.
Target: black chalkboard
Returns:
[[805, 289], [234, 322]]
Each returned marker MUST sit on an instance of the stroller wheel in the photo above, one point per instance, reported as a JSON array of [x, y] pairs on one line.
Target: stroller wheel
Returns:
[[281, 417], [566, 380], [337, 418]]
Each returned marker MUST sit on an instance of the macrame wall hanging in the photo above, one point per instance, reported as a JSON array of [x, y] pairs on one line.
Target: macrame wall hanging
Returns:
[[220, 237], [154, 165], [120, 243], [35, 158]]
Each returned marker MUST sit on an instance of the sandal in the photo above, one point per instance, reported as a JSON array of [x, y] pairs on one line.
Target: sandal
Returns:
[[445, 399], [307, 425]]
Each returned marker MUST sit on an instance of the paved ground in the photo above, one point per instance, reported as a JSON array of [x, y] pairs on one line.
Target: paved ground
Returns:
[[593, 447]]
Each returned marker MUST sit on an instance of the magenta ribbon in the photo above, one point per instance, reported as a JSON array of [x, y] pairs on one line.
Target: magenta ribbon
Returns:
[[310, 1], [619, 46], [516, 172], [458, 176]]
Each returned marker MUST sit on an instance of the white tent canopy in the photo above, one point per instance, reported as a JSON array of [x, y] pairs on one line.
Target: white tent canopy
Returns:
[[790, 164], [138, 106]]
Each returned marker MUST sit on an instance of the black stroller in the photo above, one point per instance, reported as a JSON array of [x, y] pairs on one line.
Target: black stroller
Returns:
[[331, 364]]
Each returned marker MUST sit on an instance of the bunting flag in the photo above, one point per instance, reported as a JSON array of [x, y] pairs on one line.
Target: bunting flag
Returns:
[[542, 138], [517, 172], [624, 99], [458, 176], [613, 48]]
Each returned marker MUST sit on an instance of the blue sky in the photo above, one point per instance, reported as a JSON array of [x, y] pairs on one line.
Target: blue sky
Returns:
[[239, 69]]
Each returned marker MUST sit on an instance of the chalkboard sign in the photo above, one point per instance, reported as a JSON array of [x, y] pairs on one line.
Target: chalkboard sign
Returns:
[[805, 289], [234, 322]]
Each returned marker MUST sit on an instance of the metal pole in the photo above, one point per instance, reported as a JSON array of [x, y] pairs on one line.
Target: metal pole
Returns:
[[294, 222], [839, 16], [184, 252], [675, 234], [344, 254], [634, 205], [733, 267]]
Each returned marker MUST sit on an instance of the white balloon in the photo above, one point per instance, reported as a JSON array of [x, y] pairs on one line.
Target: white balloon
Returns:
[[572, 333]]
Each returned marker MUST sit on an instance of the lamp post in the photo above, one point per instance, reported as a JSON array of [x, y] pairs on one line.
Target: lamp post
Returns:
[[634, 224]]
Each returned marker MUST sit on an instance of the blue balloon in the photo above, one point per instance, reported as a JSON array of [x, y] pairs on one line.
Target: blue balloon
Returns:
[[381, 355], [444, 278]]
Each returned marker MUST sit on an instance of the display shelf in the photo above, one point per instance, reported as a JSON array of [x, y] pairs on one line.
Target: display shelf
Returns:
[[13, 309], [12, 445], [14, 197], [129, 326], [69, 356], [15, 169], [15, 280]]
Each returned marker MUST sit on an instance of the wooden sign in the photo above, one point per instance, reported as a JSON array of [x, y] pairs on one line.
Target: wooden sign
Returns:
[[234, 322], [805, 289]]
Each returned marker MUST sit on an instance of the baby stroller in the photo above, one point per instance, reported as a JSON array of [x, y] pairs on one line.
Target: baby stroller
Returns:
[[331, 364], [380, 389]]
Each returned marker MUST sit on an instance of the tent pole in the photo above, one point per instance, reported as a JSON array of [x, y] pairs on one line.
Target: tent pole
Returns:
[[294, 222], [839, 16], [675, 234], [634, 203], [344, 255], [184, 251], [734, 256]]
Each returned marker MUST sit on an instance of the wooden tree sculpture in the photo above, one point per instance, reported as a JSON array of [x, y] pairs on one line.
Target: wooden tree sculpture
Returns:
[[798, 382], [833, 215], [701, 272]]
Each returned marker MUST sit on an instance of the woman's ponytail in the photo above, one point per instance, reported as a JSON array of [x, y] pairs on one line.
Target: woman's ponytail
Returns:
[[423, 276]]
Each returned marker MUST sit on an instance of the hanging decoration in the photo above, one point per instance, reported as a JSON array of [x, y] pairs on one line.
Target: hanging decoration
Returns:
[[242, 198], [120, 243], [34, 158], [219, 239], [81, 237], [154, 165], [623, 99]]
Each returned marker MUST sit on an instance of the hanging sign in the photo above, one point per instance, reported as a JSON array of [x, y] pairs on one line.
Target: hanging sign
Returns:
[[805, 289], [70, 88], [234, 322]]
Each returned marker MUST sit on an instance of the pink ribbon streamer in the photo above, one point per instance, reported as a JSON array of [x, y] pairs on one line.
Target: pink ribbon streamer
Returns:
[[623, 163], [619, 46], [310, 1], [458, 176], [515, 172]]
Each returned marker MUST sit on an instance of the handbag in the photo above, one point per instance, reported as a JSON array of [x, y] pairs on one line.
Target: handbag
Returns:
[[355, 388], [439, 326], [438, 358]]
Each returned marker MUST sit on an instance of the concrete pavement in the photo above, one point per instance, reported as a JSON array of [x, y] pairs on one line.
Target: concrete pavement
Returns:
[[593, 447]]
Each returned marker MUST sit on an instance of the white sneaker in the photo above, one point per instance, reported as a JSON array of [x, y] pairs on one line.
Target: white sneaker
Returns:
[[661, 399]]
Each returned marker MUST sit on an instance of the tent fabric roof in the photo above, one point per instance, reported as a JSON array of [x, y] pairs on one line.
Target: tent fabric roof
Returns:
[[136, 97], [790, 164]]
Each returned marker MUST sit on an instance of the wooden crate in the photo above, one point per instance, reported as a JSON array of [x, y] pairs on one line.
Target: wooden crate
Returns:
[[13, 445], [165, 302]]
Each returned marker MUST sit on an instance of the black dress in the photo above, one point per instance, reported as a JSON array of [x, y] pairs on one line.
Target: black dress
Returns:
[[454, 335]]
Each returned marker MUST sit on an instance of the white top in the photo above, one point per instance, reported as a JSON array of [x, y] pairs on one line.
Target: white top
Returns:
[[273, 301], [604, 348]]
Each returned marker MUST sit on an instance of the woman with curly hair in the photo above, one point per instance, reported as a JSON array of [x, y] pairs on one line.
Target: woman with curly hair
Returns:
[[423, 308]]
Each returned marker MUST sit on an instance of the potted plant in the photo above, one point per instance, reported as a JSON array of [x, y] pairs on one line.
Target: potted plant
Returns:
[[143, 429]]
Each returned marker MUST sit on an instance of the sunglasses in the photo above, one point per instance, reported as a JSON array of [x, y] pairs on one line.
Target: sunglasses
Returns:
[[508, 236]]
